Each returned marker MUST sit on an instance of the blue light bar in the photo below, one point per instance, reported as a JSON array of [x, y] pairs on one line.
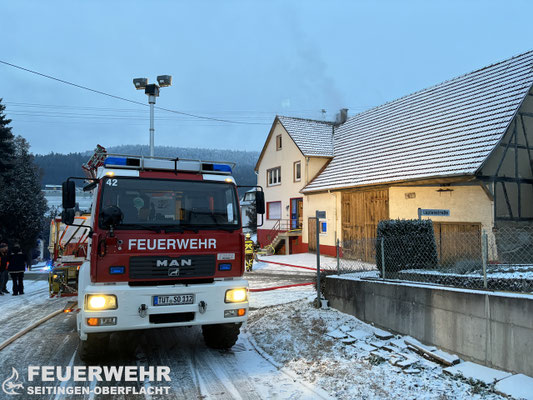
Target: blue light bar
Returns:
[[221, 168], [115, 161], [224, 267], [117, 269]]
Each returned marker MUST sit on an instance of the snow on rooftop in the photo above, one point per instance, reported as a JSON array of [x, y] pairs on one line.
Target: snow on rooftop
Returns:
[[445, 130], [313, 138]]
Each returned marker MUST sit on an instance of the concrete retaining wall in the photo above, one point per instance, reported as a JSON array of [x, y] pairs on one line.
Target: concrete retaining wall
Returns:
[[491, 329]]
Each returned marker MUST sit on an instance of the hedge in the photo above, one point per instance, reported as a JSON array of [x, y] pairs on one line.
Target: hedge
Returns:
[[408, 244]]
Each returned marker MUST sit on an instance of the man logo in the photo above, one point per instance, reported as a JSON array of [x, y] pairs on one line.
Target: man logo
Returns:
[[10, 385], [173, 272], [174, 262]]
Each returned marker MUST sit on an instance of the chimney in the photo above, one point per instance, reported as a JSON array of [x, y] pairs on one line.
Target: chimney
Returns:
[[341, 117]]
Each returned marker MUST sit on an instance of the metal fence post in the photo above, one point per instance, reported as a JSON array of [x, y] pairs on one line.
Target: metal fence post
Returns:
[[484, 256], [338, 258], [383, 257]]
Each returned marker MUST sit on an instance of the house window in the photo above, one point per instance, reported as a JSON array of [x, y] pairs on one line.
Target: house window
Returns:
[[278, 142], [274, 210], [297, 171], [274, 176]]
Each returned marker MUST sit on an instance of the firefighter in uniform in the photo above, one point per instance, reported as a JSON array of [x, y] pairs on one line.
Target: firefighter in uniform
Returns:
[[248, 253]]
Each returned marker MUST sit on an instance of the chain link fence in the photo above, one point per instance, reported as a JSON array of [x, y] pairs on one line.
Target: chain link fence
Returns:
[[499, 260]]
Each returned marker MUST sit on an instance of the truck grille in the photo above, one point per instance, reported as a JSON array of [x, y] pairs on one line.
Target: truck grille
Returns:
[[150, 267]]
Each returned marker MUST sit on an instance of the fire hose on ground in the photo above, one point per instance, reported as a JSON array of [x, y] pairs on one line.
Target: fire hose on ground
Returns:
[[29, 328]]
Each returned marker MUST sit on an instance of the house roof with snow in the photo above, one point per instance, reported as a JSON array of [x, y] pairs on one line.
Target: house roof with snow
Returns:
[[446, 130], [313, 138]]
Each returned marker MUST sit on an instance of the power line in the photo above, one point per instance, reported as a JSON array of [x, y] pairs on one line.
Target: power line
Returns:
[[56, 113], [63, 106], [125, 99], [110, 123]]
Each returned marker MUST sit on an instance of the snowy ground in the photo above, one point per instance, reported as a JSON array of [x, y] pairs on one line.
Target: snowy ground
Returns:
[[339, 353], [196, 371], [20, 311], [296, 336], [289, 350], [281, 296], [303, 259], [265, 275]]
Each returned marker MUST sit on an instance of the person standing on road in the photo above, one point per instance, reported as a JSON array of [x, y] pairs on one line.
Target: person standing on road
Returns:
[[17, 265], [4, 258]]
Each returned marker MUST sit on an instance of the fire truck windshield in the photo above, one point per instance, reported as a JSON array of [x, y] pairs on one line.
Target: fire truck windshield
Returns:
[[172, 203]]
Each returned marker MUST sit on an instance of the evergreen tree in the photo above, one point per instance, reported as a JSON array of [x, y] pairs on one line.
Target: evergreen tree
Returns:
[[6, 157], [22, 204], [6, 142]]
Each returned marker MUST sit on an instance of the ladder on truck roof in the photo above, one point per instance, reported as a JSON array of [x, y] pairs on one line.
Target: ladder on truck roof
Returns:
[[96, 160], [101, 158]]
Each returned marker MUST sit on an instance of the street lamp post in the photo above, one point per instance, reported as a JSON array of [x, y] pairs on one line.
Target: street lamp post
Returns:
[[152, 91]]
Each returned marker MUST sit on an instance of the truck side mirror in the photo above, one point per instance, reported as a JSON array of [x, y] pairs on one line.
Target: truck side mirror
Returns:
[[67, 216], [259, 202], [69, 195]]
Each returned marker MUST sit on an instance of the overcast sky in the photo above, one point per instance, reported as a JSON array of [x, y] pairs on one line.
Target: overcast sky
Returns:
[[242, 61]]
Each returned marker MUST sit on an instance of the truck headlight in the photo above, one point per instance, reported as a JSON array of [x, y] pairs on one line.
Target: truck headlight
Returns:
[[97, 302], [236, 295]]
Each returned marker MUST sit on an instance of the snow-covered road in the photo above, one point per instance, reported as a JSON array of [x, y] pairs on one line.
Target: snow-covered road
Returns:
[[195, 370]]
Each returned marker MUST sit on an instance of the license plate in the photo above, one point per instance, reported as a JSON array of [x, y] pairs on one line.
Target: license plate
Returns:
[[173, 300]]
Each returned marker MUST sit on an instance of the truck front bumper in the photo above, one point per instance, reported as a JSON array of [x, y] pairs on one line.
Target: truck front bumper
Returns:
[[136, 309]]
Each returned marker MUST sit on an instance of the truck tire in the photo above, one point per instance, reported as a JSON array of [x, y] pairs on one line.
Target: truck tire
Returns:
[[221, 336], [94, 348]]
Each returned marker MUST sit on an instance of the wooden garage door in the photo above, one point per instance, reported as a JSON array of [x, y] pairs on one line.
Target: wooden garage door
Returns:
[[361, 213], [457, 241]]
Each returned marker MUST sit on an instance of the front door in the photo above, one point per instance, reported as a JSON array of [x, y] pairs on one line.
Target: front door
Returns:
[[297, 206]]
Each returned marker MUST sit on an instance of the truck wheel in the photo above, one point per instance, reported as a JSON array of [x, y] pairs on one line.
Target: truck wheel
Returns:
[[221, 336], [94, 348]]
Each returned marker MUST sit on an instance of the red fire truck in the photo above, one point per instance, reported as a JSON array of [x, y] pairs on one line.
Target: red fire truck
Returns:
[[165, 249]]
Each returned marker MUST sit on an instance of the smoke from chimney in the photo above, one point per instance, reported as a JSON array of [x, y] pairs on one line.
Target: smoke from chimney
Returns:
[[342, 116]]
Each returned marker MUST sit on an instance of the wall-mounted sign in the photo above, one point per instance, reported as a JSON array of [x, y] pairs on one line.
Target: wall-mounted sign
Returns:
[[428, 212], [321, 214]]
